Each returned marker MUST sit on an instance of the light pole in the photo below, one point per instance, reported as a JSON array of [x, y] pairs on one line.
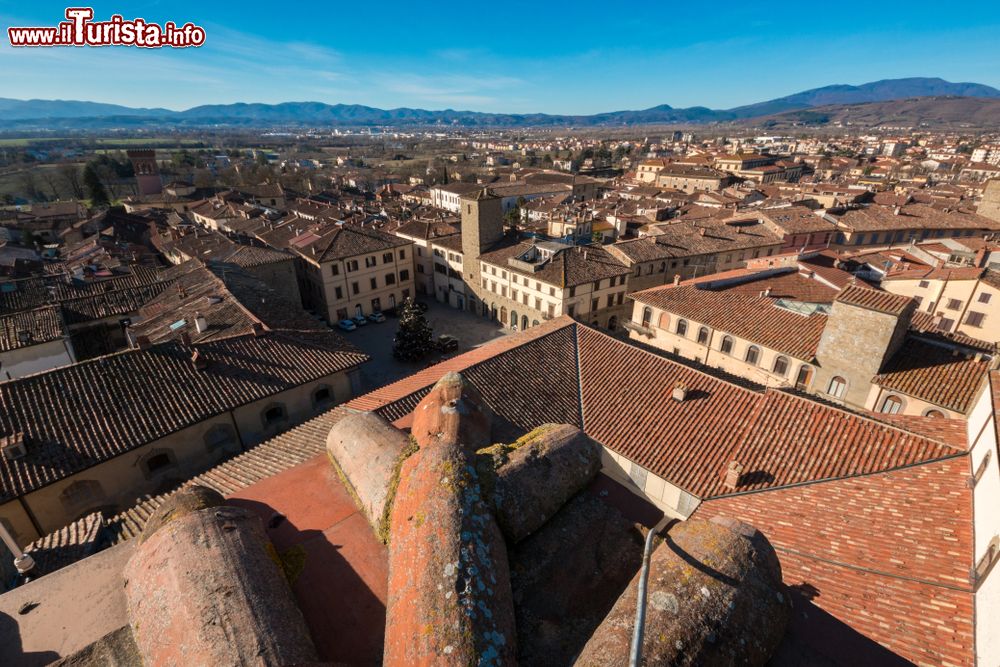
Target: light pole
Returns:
[[22, 561]]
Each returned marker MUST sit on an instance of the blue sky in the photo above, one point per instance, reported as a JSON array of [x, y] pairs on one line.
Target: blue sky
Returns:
[[554, 57]]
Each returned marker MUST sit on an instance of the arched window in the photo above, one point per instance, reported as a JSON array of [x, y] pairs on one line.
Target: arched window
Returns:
[[503, 314], [936, 414], [647, 316], [727, 345], [703, 336], [892, 405], [804, 378], [663, 267], [220, 436], [81, 493], [753, 355], [781, 366], [524, 322], [156, 462], [838, 386], [322, 397], [513, 318], [682, 327], [274, 415]]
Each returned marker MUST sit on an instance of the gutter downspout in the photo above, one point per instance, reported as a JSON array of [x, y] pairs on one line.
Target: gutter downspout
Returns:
[[635, 652]]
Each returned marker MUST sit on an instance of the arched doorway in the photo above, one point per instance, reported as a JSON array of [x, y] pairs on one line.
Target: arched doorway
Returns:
[[503, 314], [524, 322], [513, 319]]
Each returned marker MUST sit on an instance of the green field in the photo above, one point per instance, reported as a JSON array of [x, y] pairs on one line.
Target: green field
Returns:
[[26, 141], [20, 142]]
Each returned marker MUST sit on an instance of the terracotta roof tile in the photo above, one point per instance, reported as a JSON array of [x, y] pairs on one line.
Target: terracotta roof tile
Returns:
[[77, 416], [872, 299], [934, 373], [889, 554]]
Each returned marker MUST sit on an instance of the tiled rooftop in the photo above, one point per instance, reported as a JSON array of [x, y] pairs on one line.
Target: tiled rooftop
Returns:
[[888, 553], [78, 416]]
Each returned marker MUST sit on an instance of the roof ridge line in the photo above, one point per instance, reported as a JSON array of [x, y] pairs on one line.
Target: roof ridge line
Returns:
[[841, 478], [861, 415]]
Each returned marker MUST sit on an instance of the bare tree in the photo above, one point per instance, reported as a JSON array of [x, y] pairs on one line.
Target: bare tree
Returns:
[[29, 184], [51, 179], [71, 174]]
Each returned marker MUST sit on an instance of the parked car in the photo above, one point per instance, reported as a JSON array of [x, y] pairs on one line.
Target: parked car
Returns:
[[376, 317], [446, 343], [359, 320], [347, 325]]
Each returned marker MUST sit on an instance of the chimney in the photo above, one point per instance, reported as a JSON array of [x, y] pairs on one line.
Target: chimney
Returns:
[[13, 446], [680, 392], [200, 323], [200, 362], [677, 279], [701, 230], [733, 474]]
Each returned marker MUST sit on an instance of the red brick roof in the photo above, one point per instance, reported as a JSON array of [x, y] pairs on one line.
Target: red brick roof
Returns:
[[755, 318], [564, 371], [872, 299], [936, 374], [889, 554]]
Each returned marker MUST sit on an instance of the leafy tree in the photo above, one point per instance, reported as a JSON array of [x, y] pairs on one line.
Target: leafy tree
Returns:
[[413, 337], [95, 188]]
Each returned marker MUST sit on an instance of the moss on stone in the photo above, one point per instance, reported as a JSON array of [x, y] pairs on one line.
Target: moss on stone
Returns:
[[385, 522], [293, 561], [347, 485]]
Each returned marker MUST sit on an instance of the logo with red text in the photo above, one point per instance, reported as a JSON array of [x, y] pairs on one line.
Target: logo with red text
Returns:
[[80, 29]]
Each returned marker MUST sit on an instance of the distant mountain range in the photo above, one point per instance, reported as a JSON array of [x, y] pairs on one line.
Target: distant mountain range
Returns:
[[69, 114]]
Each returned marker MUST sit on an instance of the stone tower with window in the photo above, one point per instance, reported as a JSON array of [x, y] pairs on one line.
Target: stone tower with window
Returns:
[[482, 226], [863, 330], [147, 171]]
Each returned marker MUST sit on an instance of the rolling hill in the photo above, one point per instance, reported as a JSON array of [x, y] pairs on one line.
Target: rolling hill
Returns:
[[815, 104]]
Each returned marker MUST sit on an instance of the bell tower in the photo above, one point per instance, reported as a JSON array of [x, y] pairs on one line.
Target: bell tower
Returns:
[[147, 171]]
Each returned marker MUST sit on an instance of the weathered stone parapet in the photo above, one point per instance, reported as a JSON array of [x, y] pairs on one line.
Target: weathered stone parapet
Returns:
[[542, 471], [449, 584], [368, 452], [204, 588], [715, 597]]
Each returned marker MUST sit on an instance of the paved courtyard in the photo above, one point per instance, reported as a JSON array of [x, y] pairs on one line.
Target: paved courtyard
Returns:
[[376, 340]]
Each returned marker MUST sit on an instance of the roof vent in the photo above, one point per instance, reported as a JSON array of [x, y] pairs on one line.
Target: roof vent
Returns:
[[680, 392], [200, 323], [733, 474], [13, 446]]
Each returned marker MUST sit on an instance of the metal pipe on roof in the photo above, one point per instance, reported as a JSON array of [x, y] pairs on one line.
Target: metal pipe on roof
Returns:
[[635, 652]]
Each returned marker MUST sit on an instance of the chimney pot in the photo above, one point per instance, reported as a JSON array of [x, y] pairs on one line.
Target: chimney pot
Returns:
[[680, 392], [733, 474]]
